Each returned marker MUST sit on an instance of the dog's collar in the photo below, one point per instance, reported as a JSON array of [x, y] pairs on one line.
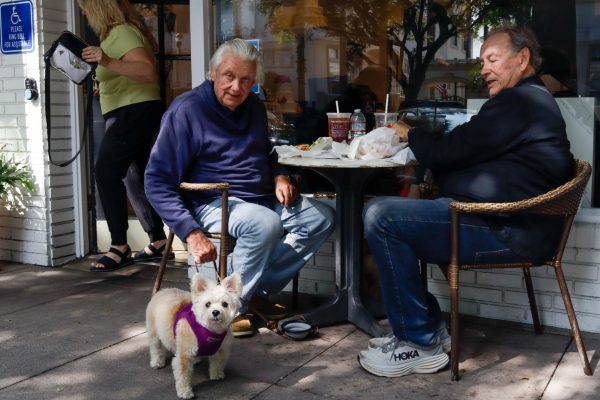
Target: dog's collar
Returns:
[[208, 341]]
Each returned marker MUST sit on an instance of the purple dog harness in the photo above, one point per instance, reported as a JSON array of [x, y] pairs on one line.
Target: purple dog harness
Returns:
[[208, 342]]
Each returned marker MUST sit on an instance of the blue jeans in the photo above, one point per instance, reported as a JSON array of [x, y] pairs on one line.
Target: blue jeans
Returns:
[[402, 231], [273, 244]]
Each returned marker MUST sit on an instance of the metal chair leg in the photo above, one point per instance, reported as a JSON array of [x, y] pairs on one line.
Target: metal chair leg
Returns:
[[532, 303], [453, 282], [564, 291], [163, 263]]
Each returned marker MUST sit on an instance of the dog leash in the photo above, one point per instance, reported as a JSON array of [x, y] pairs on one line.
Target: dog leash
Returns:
[[216, 271]]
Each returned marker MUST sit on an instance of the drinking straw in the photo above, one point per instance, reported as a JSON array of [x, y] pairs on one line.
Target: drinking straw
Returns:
[[337, 106], [387, 100]]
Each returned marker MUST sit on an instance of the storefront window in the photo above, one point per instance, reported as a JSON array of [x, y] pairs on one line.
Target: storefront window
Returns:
[[422, 55], [169, 22]]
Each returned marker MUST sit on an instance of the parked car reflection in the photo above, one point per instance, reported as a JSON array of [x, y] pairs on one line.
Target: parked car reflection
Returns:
[[440, 116], [280, 133]]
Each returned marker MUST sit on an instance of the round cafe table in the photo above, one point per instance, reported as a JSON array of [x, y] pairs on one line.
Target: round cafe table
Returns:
[[348, 177]]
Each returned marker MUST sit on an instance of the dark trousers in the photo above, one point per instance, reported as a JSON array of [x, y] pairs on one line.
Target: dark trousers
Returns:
[[129, 135]]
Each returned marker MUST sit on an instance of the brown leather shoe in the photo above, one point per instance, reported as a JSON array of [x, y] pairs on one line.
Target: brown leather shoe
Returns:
[[264, 307], [242, 326]]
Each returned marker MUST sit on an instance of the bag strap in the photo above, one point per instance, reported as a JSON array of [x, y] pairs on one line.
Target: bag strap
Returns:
[[47, 106]]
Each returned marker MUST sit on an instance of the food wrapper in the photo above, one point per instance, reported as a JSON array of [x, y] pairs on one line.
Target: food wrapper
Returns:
[[322, 143], [379, 143]]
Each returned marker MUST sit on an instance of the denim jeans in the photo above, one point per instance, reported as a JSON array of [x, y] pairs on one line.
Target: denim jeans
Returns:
[[402, 231], [273, 244]]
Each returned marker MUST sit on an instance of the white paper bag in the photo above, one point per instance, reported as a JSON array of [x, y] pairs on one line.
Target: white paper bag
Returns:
[[379, 143]]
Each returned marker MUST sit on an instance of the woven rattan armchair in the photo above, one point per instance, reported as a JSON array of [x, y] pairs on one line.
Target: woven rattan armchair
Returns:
[[563, 201], [226, 242]]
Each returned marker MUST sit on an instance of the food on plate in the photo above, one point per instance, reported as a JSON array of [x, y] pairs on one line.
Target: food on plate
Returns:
[[303, 146]]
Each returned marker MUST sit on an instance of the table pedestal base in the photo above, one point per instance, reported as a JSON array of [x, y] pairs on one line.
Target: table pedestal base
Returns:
[[347, 305]]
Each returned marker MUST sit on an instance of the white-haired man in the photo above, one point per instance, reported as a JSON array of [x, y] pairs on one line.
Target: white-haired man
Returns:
[[217, 132]]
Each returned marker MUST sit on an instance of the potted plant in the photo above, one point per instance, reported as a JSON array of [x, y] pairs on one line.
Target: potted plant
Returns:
[[13, 174]]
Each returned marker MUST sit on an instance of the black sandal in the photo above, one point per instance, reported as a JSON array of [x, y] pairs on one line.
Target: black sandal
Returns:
[[108, 264], [157, 254]]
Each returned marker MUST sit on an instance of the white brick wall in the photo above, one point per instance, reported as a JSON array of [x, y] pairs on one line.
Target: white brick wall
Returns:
[[40, 229]]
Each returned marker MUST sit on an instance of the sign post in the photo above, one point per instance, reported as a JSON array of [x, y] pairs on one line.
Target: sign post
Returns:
[[16, 18]]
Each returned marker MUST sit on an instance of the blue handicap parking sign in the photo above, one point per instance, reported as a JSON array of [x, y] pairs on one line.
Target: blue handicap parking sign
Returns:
[[16, 35]]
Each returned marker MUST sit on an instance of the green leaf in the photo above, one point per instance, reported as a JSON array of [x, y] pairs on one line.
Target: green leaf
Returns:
[[13, 174]]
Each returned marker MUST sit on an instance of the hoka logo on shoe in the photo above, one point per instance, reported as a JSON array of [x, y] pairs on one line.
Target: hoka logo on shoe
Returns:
[[406, 355]]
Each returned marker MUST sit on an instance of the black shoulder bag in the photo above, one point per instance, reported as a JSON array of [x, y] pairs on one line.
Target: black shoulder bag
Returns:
[[65, 56]]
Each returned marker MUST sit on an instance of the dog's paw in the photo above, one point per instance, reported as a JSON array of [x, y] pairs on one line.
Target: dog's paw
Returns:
[[157, 364], [216, 375], [186, 393]]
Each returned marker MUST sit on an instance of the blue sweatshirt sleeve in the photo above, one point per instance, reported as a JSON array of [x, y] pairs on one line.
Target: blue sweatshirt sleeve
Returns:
[[173, 151]]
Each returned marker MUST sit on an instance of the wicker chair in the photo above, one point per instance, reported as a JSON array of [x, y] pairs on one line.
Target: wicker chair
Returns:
[[227, 242], [562, 201]]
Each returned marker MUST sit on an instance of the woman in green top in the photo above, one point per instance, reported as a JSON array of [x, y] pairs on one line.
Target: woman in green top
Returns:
[[131, 106]]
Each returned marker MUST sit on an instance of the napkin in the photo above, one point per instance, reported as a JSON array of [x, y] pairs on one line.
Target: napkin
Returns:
[[292, 151]]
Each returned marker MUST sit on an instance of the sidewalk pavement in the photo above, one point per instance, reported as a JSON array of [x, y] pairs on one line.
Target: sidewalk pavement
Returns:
[[69, 334]]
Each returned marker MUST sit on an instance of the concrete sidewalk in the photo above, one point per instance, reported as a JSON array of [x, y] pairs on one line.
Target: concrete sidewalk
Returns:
[[66, 333]]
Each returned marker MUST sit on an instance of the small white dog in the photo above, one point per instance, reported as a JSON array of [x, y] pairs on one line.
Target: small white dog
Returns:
[[191, 326]]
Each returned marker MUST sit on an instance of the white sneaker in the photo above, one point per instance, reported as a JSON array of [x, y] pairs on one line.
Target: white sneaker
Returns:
[[445, 337], [395, 358], [442, 333]]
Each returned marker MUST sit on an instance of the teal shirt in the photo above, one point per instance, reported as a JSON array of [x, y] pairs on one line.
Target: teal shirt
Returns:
[[116, 90]]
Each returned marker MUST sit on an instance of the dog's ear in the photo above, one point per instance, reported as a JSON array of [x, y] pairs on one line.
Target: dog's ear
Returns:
[[199, 284], [233, 283]]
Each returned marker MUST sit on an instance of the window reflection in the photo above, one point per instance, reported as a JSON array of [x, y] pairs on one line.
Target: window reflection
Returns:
[[148, 12], [177, 29], [170, 25], [422, 54], [179, 78]]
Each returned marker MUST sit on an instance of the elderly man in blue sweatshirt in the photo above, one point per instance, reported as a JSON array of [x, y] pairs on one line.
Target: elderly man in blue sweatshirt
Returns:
[[217, 132]]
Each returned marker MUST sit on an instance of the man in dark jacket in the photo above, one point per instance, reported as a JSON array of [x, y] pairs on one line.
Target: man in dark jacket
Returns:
[[217, 132], [515, 148]]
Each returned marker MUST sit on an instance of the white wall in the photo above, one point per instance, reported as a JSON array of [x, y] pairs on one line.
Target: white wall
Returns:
[[42, 230]]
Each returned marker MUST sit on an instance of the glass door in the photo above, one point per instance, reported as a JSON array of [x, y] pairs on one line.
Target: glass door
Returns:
[[169, 22]]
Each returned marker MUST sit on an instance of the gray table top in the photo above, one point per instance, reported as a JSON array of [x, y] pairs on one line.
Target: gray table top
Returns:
[[337, 162]]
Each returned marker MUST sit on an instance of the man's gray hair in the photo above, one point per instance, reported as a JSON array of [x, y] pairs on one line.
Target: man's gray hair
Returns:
[[521, 38], [242, 49]]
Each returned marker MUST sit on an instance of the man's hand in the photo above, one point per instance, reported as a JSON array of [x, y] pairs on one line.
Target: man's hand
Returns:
[[284, 190], [401, 129], [200, 247]]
